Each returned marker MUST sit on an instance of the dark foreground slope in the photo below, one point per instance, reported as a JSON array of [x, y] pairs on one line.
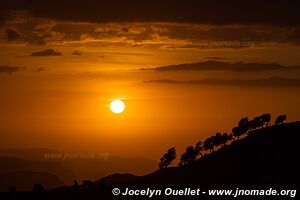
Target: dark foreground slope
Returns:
[[268, 157]]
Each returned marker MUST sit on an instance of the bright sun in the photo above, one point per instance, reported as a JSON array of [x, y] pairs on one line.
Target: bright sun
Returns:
[[117, 106]]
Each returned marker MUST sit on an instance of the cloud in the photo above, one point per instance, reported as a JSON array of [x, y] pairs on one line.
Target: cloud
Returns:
[[268, 82], [213, 65], [10, 69], [280, 12], [230, 33], [12, 35], [47, 52], [168, 35], [175, 24], [214, 58], [35, 39], [40, 69], [77, 53]]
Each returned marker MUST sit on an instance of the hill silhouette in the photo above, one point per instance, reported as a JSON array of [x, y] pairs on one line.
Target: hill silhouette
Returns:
[[13, 164], [81, 168], [24, 180], [115, 179], [265, 157], [95, 168]]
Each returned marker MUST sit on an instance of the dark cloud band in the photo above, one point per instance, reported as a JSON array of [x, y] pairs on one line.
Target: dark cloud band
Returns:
[[268, 82], [47, 52], [282, 12], [10, 69], [214, 65]]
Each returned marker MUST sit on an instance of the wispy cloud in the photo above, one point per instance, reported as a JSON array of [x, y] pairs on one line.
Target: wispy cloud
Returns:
[[214, 58], [10, 69], [40, 69], [47, 52], [268, 82], [77, 53], [12, 35], [214, 65]]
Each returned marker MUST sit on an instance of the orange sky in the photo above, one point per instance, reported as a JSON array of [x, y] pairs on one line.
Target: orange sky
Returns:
[[66, 106], [62, 101]]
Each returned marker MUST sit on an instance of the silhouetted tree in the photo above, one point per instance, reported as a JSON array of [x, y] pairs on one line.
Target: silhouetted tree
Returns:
[[167, 158], [243, 122], [189, 156], [224, 138], [255, 123], [242, 128], [230, 137], [217, 139], [199, 148], [238, 131], [208, 144], [280, 119], [266, 118]]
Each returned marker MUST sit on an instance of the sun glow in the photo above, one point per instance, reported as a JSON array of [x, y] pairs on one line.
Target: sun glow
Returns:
[[117, 106]]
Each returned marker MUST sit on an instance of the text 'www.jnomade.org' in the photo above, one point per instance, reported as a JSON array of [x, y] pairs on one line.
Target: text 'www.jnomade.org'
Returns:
[[197, 192]]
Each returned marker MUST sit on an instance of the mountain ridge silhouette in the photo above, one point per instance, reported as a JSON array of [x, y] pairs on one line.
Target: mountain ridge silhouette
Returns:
[[266, 157]]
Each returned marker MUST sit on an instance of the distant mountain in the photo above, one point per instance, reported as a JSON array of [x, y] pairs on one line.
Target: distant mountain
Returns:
[[25, 180], [12, 165], [95, 168], [86, 168], [104, 182], [27, 154]]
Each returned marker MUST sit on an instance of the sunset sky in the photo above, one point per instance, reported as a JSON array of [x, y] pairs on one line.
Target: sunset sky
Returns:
[[63, 62]]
